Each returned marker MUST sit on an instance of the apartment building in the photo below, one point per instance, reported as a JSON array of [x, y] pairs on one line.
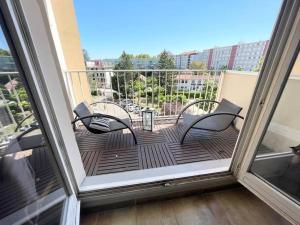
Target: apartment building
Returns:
[[138, 63], [183, 60], [100, 82], [244, 56], [189, 82], [248, 55], [7, 63]]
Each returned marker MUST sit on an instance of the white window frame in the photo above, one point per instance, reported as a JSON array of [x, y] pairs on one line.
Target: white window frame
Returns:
[[261, 112], [52, 100]]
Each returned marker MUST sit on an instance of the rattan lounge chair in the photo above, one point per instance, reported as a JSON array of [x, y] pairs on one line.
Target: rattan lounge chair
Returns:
[[218, 120], [99, 123]]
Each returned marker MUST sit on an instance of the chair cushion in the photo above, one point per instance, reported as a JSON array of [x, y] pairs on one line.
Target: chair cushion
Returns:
[[101, 124], [115, 125], [83, 109], [217, 122], [106, 125]]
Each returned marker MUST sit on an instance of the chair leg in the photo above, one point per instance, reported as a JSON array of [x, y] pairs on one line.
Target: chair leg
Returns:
[[134, 137], [184, 134], [133, 134]]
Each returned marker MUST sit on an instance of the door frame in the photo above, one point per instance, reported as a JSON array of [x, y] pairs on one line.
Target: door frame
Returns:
[[31, 35], [263, 106], [33, 62]]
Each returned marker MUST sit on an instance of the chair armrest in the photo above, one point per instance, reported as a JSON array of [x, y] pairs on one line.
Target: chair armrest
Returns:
[[215, 114], [112, 103], [204, 117], [19, 124], [193, 103], [99, 115]]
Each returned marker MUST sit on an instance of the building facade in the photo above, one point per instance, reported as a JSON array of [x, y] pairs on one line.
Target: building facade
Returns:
[[183, 60], [244, 56], [7, 64]]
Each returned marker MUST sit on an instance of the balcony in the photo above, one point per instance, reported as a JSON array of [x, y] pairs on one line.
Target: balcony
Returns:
[[167, 92]]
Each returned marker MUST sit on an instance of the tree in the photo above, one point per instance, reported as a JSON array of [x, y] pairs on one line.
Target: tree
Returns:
[[259, 65], [4, 52], [125, 62], [118, 81], [142, 56], [166, 61], [198, 65], [86, 55], [224, 67]]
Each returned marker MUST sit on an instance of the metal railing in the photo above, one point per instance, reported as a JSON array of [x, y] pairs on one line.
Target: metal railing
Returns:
[[165, 91], [14, 104]]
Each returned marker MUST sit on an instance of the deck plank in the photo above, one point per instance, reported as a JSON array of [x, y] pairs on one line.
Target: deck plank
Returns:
[[117, 152]]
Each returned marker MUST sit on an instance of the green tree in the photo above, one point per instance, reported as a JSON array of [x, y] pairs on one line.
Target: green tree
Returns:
[[4, 52], [224, 67], [125, 62], [86, 55], [259, 65], [142, 56], [197, 65], [166, 61], [122, 77]]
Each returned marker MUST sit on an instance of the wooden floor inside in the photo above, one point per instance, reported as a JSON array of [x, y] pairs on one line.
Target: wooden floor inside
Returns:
[[116, 152], [230, 207]]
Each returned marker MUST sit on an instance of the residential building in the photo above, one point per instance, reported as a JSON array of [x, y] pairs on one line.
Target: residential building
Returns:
[[183, 60], [7, 64], [189, 82], [245, 56], [248, 55], [149, 63], [100, 80]]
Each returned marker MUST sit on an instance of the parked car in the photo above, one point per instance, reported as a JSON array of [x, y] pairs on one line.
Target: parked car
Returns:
[[138, 109], [131, 107], [125, 102]]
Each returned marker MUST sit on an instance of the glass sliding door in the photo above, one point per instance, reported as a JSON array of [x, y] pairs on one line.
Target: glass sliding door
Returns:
[[277, 160], [31, 188]]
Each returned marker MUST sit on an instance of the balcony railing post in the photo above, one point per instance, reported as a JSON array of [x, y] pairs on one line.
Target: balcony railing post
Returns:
[[152, 92], [177, 84], [17, 96], [7, 107], [118, 84], [158, 100], [166, 80]]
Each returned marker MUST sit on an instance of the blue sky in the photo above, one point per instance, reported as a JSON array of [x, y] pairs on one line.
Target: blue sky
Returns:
[[108, 27]]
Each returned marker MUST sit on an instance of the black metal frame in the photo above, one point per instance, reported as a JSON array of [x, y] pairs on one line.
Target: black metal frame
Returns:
[[193, 103], [95, 131], [204, 117], [113, 103], [207, 116]]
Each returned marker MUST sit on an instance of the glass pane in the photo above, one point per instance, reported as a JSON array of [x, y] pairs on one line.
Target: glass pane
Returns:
[[278, 156], [29, 183]]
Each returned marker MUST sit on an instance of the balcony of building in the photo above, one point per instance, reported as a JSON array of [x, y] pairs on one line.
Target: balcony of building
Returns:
[[166, 93]]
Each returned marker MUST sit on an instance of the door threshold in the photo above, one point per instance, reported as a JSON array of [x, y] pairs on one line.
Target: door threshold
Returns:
[[106, 181]]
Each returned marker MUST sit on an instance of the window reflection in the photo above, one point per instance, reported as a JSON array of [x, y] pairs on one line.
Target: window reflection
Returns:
[[29, 182], [278, 157]]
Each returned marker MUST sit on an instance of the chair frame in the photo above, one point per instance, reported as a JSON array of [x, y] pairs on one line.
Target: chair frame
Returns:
[[95, 131], [191, 126]]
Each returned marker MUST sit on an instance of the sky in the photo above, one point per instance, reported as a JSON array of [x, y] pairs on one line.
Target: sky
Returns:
[[107, 27]]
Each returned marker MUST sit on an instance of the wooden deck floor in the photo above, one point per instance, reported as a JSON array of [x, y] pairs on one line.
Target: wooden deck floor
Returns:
[[116, 152], [29, 176]]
